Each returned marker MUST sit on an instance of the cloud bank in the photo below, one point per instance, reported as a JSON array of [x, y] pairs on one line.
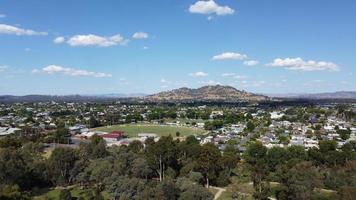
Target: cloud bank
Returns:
[[229, 56], [56, 69], [13, 30], [299, 64], [95, 40]]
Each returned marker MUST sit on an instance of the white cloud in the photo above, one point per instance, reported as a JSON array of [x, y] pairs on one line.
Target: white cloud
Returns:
[[95, 40], [2, 15], [59, 40], [210, 82], [56, 69], [230, 56], [198, 74], [3, 68], [140, 35], [210, 7], [301, 65], [233, 75], [27, 49], [145, 47], [163, 80], [228, 74], [13, 30], [251, 62]]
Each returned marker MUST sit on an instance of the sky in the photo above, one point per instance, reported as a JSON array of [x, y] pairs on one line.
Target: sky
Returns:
[[139, 46]]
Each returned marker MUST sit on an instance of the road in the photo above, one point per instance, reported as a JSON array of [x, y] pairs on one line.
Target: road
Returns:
[[244, 140]]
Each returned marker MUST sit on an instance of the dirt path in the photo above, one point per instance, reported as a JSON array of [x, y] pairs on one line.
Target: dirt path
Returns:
[[220, 191]]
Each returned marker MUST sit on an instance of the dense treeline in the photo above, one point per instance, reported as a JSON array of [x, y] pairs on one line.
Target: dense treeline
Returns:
[[173, 169], [301, 174], [166, 169]]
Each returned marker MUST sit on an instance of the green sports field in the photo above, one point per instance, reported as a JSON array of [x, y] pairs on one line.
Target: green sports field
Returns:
[[132, 130]]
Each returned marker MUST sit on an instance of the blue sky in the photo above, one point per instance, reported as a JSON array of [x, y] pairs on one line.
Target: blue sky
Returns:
[[139, 46]]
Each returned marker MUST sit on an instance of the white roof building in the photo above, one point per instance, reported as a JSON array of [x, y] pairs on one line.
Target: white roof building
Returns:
[[4, 131]]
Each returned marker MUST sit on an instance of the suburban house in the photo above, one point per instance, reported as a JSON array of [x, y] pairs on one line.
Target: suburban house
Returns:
[[113, 136]]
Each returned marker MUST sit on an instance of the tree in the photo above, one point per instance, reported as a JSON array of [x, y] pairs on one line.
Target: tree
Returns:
[[208, 162], [161, 155], [60, 163], [151, 193], [124, 187], [93, 122], [299, 182], [135, 146], [65, 195], [276, 156], [250, 126], [196, 192], [229, 159], [12, 168], [344, 134], [140, 168], [12, 192], [98, 170], [177, 134], [328, 154], [297, 152], [191, 140], [10, 141], [62, 135], [195, 176], [255, 157], [169, 189], [95, 149], [212, 125]]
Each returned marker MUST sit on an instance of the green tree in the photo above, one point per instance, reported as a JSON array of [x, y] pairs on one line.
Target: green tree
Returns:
[[299, 182], [196, 192], [60, 163], [276, 156], [135, 146], [65, 195], [140, 168], [208, 162], [255, 157], [161, 155], [151, 193], [12, 192], [12, 168]]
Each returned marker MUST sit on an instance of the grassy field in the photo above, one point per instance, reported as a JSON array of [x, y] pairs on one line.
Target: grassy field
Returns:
[[132, 130]]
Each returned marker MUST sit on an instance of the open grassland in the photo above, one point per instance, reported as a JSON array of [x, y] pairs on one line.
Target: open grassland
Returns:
[[131, 130]]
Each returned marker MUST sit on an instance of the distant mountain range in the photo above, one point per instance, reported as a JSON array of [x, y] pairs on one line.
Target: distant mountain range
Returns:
[[67, 98], [119, 95], [326, 95], [217, 93]]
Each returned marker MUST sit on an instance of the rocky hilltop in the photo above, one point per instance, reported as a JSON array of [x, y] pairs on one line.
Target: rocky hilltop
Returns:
[[206, 93]]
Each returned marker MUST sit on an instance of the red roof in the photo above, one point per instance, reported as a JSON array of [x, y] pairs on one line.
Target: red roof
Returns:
[[112, 135]]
